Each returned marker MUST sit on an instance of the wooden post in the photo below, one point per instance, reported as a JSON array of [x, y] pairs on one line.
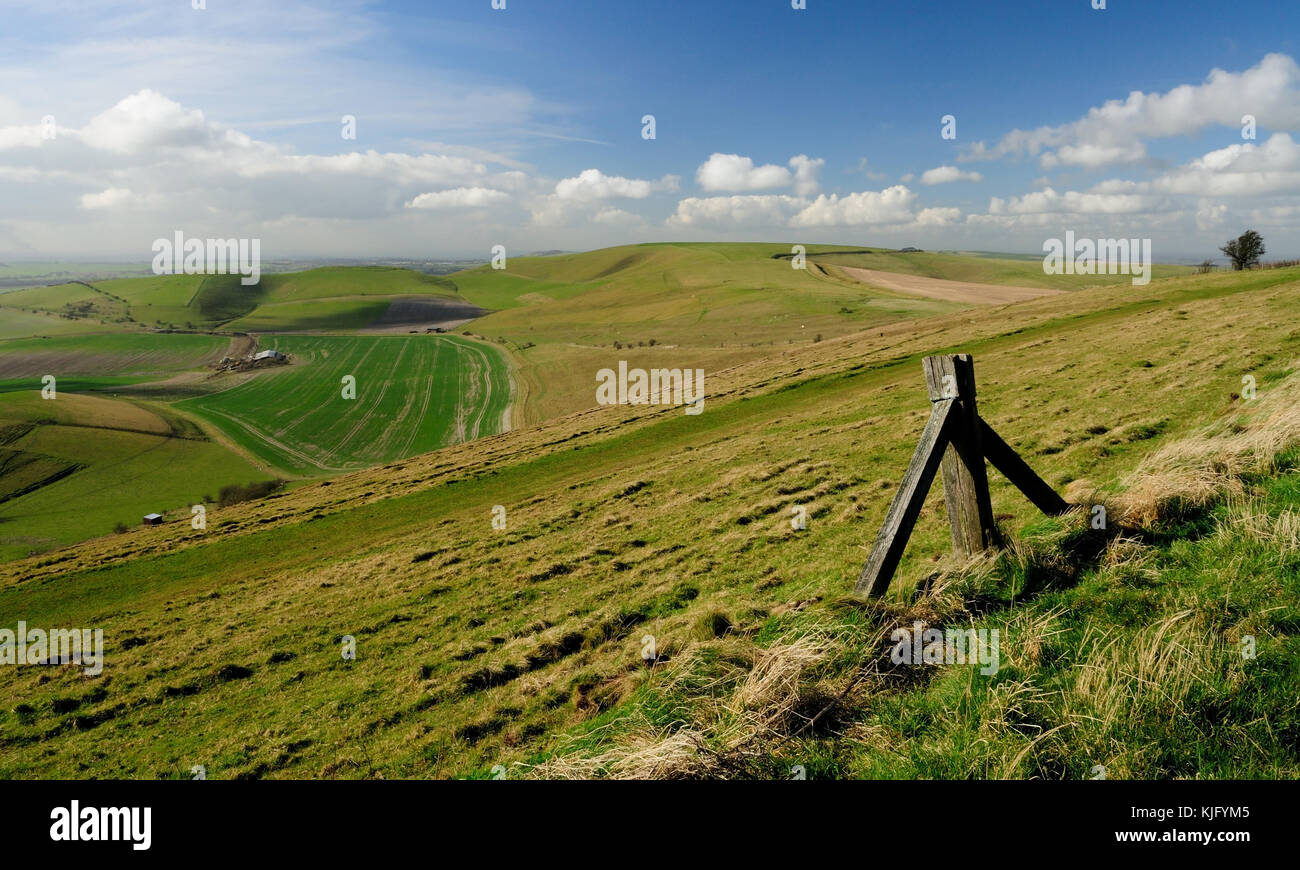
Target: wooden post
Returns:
[[965, 480], [958, 440], [905, 507], [1015, 469]]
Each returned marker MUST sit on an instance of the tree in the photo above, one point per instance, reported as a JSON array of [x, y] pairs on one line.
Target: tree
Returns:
[[1207, 266], [1245, 250]]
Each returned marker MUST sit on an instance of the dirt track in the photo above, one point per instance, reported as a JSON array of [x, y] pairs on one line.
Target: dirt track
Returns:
[[952, 291]]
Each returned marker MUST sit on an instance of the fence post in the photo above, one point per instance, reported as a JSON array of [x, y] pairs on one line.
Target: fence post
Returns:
[[955, 432], [965, 479]]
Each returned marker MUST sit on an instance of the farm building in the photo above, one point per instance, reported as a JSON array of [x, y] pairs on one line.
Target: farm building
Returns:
[[153, 519], [273, 355]]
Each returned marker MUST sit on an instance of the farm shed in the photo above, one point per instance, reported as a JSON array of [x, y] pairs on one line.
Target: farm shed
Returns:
[[153, 519]]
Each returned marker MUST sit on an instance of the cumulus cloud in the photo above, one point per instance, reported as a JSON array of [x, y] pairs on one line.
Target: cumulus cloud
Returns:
[[1239, 170], [592, 184], [806, 172], [616, 217], [459, 197], [581, 197], [1071, 202], [148, 150], [1114, 132], [732, 172], [893, 205], [766, 210], [947, 174]]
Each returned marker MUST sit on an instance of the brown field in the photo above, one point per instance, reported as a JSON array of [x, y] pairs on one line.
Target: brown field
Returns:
[[950, 291]]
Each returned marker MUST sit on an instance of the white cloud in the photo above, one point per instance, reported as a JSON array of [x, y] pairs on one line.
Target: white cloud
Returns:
[[893, 205], [592, 184], [946, 174], [1239, 170], [938, 217], [731, 172], [616, 217], [806, 171], [459, 197], [766, 210], [1071, 202], [1114, 132], [113, 197], [1210, 214]]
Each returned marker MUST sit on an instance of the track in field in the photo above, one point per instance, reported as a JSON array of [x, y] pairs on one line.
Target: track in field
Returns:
[[413, 394]]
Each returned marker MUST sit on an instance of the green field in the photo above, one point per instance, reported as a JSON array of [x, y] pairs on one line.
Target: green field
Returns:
[[72, 469], [76, 466], [413, 395], [522, 646], [129, 355], [335, 298]]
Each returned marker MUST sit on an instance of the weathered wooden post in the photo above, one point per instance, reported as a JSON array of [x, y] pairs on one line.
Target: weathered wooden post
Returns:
[[965, 481], [956, 437]]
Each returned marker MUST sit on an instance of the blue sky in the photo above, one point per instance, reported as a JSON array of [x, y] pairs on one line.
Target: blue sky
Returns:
[[522, 126]]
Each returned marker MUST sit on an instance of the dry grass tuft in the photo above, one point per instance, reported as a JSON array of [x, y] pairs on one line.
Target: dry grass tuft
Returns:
[[1210, 465]]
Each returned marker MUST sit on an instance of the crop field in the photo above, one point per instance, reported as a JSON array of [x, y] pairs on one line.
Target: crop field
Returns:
[[522, 646], [413, 394], [134, 355]]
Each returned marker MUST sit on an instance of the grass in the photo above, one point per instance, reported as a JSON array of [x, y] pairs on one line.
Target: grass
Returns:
[[175, 301], [982, 269], [413, 395], [478, 646], [89, 463], [704, 305]]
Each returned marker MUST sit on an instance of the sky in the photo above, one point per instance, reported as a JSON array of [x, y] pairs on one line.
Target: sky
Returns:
[[443, 128]]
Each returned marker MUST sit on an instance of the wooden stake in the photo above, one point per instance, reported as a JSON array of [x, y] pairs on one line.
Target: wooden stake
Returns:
[[905, 507], [965, 480]]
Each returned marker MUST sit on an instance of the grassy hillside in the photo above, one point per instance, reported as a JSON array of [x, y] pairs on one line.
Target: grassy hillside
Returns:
[[76, 466], [987, 269], [522, 646], [412, 396], [676, 305], [335, 297], [710, 306]]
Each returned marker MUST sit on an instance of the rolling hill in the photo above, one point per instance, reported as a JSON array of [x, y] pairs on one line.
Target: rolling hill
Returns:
[[484, 650]]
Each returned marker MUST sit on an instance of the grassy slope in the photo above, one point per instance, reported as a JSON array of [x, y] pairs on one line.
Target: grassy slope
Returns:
[[982, 270], [478, 647], [80, 464], [710, 306], [414, 394], [353, 296], [713, 306]]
